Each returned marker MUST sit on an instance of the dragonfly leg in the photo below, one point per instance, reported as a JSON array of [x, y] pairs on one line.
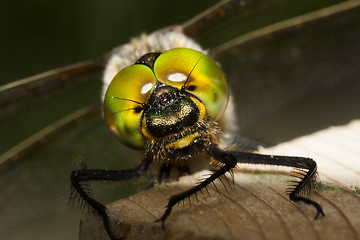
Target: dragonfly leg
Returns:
[[305, 172], [164, 171], [226, 158], [83, 175], [163, 175]]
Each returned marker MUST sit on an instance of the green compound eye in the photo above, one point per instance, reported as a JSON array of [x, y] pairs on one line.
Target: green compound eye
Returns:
[[122, 105], [206, 80]]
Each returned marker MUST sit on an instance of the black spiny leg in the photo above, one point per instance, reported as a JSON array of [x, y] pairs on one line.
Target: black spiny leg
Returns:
[[226, 158], [306, 173], [84, 175], [306, 166], [163, 175]]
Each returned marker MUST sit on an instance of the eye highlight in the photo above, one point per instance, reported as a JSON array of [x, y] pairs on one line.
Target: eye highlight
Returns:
[[130, 88], [146, 88], [177, 77], [198, 73]]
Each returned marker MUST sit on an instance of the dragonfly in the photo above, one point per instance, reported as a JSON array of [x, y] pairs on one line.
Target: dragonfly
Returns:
[[75, 148]]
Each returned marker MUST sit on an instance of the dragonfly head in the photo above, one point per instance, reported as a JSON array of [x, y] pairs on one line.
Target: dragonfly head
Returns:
[[166, 100]]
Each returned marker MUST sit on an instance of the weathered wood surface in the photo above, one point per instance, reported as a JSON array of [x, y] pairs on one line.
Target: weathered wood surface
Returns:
[[258, 207]]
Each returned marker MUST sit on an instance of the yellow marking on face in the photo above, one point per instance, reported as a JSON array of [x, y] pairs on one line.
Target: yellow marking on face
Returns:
[[182, 142]]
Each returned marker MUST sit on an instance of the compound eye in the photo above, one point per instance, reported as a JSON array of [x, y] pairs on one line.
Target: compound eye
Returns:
[[198, 73], [130, 88]]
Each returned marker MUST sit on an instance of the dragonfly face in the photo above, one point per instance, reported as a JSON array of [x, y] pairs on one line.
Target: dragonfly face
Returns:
[[86, 144], [175, 99]]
